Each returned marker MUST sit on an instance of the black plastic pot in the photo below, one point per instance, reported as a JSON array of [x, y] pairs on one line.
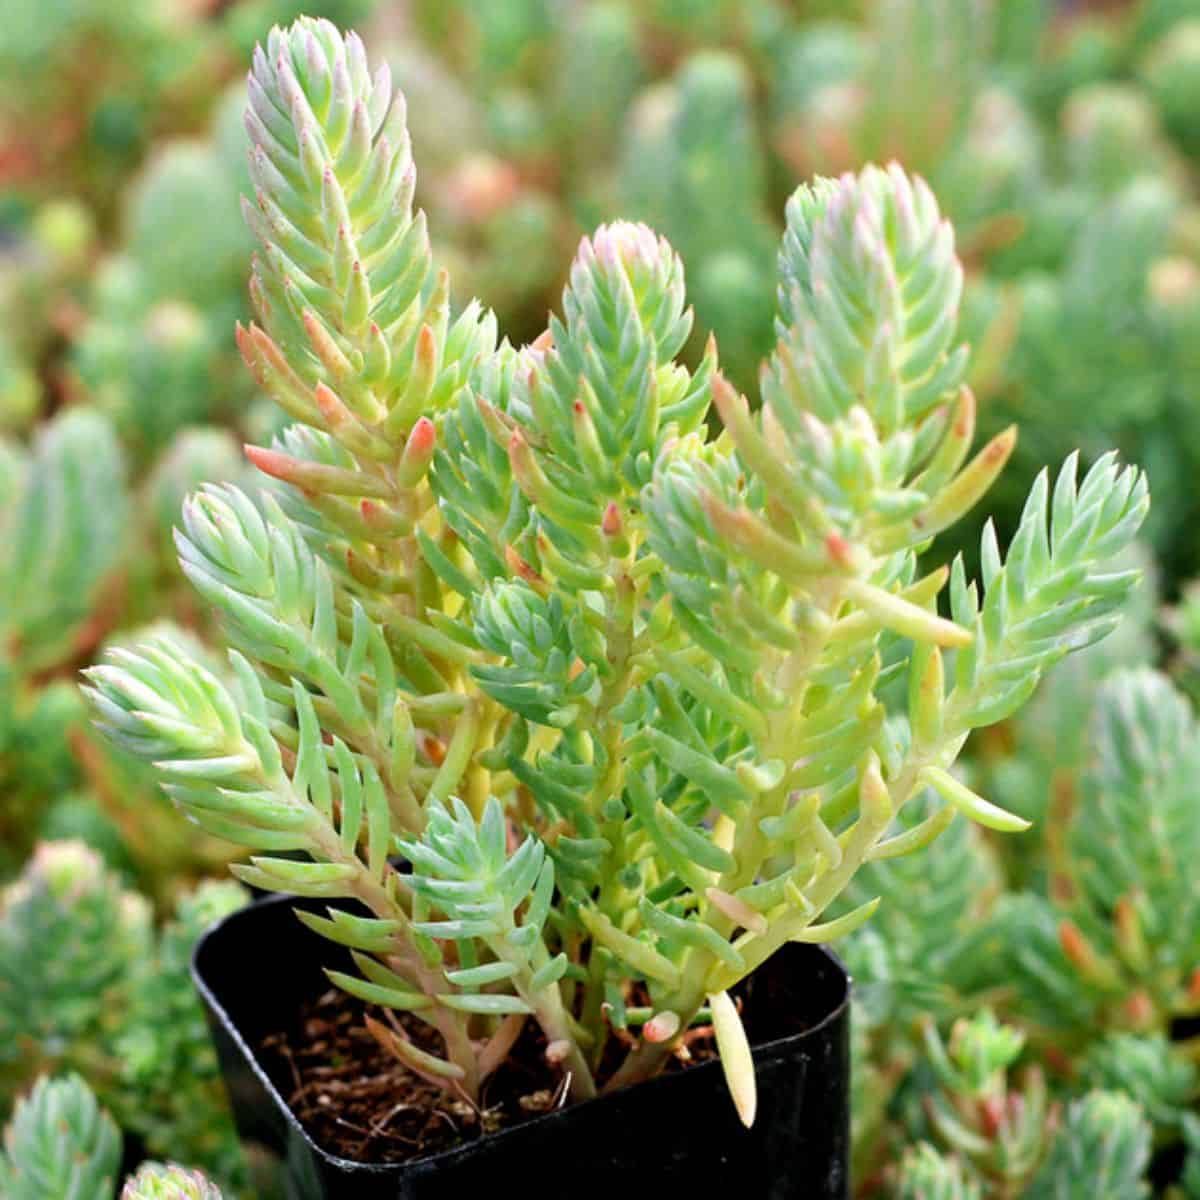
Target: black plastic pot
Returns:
[[678, 1131]]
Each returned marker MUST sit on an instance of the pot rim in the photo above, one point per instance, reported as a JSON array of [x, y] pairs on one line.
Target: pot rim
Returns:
[[762, 1052]]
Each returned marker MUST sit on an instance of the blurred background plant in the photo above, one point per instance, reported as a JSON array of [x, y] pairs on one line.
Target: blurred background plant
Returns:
[[1063, 139]]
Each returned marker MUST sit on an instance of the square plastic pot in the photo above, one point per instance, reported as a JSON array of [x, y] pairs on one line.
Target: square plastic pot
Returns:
[[677, 1134]]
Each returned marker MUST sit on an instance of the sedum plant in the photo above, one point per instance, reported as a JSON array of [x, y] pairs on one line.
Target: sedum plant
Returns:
[[615, 686], [1103, 1149], [998, 1138], [60, 1143], [63, 506], [924, 1174], [156, 1181], [1114, 947], [87, 984], [998, 1127], [71, 939]]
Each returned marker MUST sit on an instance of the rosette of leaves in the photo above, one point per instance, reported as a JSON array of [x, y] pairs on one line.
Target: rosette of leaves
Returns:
[[111, 799], [72, 940], [60, 1142], [609, 681], [86, 984], [197, 455], [158, 1181]]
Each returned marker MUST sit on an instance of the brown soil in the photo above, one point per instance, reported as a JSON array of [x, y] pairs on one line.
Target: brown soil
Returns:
[[356, 1101]]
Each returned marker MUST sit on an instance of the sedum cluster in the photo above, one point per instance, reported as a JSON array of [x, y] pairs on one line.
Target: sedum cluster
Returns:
[[986, 1135], [158, 1181], [61, 1143], [87, 985], [1113, 943], [1102, 1148], [633, 699]]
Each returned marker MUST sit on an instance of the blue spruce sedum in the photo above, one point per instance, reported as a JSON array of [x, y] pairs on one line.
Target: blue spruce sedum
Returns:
[[60, 1143], [608, 680]]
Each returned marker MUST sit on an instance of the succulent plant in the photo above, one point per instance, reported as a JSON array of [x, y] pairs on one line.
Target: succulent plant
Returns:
[[1108, 944], [152, 374], [903, 87], [60, 1143], [609, 683], [1099, 356], [1033, 765], [64, 541], [72, 938], [66, 564], [156, 1181], [1000, 1128], [924, 1174], [153, 351], [1150, 1070], [1103, 1149], [182, 229], [79, 89], [1099, 1147], [1059, 141]]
